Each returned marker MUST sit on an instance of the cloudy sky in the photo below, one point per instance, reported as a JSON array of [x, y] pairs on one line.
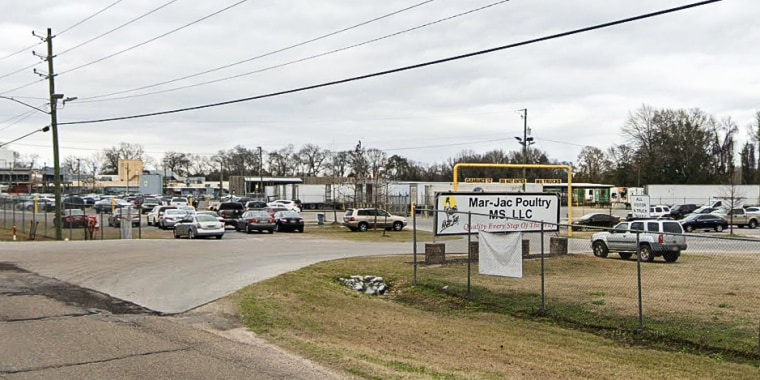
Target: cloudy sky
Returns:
[[131, 57]]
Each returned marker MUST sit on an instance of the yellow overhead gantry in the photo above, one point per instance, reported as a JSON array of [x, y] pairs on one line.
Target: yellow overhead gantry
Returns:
[[528, 166]]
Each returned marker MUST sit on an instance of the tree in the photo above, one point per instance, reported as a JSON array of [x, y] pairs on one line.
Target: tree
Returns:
[[176, 162], [747, 161], [125, 151], [312, 159], [592, 165]]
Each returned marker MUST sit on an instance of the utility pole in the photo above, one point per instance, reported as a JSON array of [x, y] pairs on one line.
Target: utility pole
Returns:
[[54, 127], [525, 141], [261, 174]]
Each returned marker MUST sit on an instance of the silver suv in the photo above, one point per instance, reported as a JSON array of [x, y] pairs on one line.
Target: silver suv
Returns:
[[362, 219], [655, 238]]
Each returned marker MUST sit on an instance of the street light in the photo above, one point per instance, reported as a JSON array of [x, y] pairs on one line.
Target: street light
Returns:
[[261, 173], [43, 129], [525, 141]]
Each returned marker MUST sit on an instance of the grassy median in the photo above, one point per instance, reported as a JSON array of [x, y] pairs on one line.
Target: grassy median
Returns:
[[589, 330]]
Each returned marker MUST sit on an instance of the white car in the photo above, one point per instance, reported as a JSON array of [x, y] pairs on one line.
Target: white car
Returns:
[[290, 205], [179, 201], [170, 218]]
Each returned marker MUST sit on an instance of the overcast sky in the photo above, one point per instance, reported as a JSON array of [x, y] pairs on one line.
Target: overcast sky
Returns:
[[578, 90]]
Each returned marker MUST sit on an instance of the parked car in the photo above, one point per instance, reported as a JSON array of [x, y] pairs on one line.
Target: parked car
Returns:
[[72, 218], [274, 210], [255, 205], [148, 203], [212, 213], [362, 219], [680, 211], [155, 215], [179, 201], [752, 210], [73, 202], [290, 205], [659, 211], [704, 222], [255, 220], [655, 238], [596, 220], [704, 210], [194, 225], [288, 221], [43, 204], [171, 216], [230, 211], [124, 214], [107, 204]]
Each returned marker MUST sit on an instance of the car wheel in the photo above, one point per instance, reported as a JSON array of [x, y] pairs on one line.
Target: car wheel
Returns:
[[719, 228], [277, 228], [625, 255], [363, 227], [600, 249], [149, 223], [398, 226], [29, 208], [271, 231], [176, 234], [671, 257], [219, 237], [248, 229], [689, 228], [753, 223], [300, 231], [190, 234], [646, 253]]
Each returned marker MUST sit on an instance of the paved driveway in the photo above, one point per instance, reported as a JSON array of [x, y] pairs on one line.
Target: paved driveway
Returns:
[[173, 276]]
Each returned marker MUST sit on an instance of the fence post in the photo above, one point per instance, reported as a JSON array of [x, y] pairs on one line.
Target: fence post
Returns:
[[414, 242], [469, 252], [543, 291], [638, 275]]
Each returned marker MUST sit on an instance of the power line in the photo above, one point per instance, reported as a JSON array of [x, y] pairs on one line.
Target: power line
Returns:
[[16, 119], [308, 58], [404, 68], [64, 31], [154, 38], [90, 17], [81, 100], [23, 86]]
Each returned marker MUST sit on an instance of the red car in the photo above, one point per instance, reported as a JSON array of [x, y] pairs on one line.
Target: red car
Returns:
[[75, 218]]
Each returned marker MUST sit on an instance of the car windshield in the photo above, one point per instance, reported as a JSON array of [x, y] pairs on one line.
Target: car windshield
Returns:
[[288, 214], [175, 212], [586, 217]]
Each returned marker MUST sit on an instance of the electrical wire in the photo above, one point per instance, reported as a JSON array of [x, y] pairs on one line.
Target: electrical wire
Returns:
[[154, 38], [59, 33], [89, 17], [306, 58], [83, 100], [404, 68], [13, 121], [23, 86], [119, 27]]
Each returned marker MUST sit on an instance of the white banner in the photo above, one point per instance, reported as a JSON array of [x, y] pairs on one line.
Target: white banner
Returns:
[[500, 254]]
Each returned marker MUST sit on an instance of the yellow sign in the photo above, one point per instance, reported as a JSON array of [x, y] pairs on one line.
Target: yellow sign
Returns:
[[478, 180], [548, 180], [512, 180]]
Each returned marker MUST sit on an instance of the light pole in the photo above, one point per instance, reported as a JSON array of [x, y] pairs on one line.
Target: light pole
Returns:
[[261, 173], [79, 176], [127, 179], [525, 141]]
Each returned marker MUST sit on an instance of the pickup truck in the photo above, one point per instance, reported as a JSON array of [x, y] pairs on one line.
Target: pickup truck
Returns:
[[739, 217], [655, 238]]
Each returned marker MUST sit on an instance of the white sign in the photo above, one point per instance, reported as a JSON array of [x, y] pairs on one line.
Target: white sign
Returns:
[[495, 212], [640, 206]]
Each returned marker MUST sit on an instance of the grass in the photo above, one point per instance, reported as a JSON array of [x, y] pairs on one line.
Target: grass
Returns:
[[589, 328]]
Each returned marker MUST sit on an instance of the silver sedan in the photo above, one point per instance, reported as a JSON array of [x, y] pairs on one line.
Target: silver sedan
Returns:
[[194, 226]]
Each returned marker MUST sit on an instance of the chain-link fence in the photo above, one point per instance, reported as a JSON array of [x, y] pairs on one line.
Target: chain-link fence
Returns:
[[706, 300], [31, 220]]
